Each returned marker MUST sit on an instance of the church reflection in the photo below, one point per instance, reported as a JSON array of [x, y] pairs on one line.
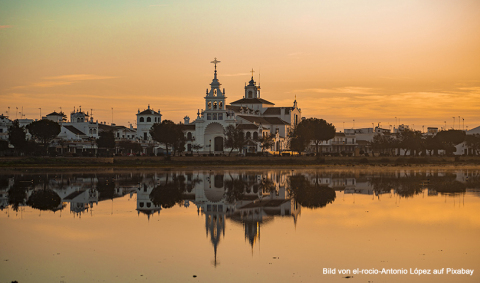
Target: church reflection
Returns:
[[252, 199]]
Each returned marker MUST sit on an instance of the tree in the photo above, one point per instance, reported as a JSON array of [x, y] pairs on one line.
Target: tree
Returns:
[[450, 139], [432, 144], [383, 143], [314, 130], [3, 145], [410, 141], [298, 144], [64, 117], [179, 144], [169, 134], [473, 143], [267, 141], [130, 147], [196, 147], [44, 130], [234, 138], [106, 140], [17, 136]]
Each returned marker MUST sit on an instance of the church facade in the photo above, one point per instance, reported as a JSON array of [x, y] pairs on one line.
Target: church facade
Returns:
[[256, 116]]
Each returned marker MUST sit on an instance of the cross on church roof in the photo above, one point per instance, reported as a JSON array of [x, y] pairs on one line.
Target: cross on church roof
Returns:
[[252, 71], [215, 61]]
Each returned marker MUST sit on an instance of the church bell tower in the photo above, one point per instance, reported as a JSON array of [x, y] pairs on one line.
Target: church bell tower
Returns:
[[215, 98], [252, 90]]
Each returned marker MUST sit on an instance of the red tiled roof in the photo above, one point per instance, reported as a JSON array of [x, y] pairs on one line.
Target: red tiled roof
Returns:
[[252, 101], [74, 130]]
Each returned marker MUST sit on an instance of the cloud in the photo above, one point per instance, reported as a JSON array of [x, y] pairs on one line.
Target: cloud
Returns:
[[64, 80], [4, 27], [423, 107], [50, 84], [341, 90], [79, 77]]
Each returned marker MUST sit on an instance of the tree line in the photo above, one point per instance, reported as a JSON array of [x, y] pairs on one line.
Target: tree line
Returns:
[[415, 143], [308, 132]]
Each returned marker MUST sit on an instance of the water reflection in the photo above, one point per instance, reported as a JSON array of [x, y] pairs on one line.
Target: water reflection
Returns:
[[241, 194], [252, 199]]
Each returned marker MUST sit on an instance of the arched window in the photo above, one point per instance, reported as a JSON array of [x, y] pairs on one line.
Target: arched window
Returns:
[[149, 119], [142, 120], [214, 105], [209, 105], [255, 135], [249, 135], [189, 136], [218, 181], [250, 94], [215, 92], [220, 105]]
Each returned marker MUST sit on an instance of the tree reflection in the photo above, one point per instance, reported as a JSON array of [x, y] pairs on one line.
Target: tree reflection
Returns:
[[267, 185], [17, 195], [45, 199], [235, 189], [169, 193], [448, 186], [308, 194], [106, 187], [413, 183], [473, 181]]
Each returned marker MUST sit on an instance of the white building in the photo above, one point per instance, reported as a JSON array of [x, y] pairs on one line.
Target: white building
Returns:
[[79, 127], [256, 116], [5, 123], [145, 121]]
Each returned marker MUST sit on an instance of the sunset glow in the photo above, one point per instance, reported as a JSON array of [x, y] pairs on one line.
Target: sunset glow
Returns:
[[352, 63]]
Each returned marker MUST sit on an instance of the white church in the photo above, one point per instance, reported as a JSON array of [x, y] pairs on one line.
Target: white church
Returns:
[[256, 116]]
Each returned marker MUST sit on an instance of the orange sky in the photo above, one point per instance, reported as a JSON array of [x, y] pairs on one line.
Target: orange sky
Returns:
[[368, 61]]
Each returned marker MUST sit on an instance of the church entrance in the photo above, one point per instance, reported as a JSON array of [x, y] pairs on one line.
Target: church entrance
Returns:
[[218, 145]]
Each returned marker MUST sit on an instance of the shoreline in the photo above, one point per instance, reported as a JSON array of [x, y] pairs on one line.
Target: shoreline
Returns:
[[68, 163]]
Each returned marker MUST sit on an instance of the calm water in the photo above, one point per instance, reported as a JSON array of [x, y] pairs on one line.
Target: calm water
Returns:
[[239, 226]]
